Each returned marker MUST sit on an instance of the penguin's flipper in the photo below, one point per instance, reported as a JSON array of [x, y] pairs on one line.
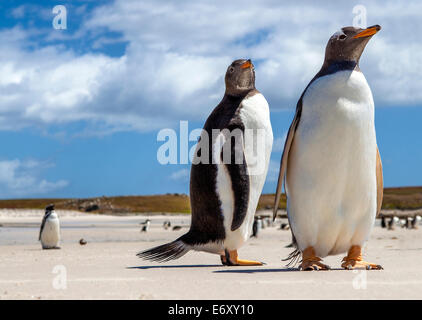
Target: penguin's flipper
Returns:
[[285, 156], [239, 177], [44, 219], [380, 185]]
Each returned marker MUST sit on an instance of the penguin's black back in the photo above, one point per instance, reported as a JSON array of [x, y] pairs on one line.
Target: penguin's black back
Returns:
[[207, 217]]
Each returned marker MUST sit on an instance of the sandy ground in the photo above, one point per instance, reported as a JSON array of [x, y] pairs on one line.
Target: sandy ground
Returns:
[[107, 267]]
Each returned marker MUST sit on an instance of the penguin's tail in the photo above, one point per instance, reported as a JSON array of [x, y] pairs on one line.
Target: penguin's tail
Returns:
[[294, 256], [166, 252]]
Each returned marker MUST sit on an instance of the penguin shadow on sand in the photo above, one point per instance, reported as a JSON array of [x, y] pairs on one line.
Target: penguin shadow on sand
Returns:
[[265, 270], [268, 270], [176, 266]]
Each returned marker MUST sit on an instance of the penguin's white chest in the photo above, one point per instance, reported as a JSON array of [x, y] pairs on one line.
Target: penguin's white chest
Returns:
[[50, 236], [258, 140], [331, 177]]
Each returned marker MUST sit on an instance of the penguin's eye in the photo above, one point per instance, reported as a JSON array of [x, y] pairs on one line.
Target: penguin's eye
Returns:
[[231, 69], [342, 37]]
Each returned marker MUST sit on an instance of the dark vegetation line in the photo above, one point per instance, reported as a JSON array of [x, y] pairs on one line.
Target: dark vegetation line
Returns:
[[394, 198]]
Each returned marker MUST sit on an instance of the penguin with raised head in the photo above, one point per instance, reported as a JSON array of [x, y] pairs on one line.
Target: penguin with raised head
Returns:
[[228, 172], [331, 160], [50, 229]]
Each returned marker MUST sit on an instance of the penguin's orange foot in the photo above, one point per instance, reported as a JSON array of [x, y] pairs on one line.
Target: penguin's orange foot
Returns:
[[231, 259], [311, 262], [313, 265], [354, 260], [360, 264]]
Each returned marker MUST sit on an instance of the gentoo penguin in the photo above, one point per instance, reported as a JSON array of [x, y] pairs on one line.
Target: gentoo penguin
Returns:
[[145, 225], [284, 226], [331, 159], [392, 222], [166, 224], [408, 223], [403, 222], [256, 227], [50, 229], [383, 222], [227, 175], [415, 222]]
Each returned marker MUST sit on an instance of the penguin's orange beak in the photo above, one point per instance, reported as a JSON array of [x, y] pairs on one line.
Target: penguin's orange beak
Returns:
[[368, 32], [247, 64]]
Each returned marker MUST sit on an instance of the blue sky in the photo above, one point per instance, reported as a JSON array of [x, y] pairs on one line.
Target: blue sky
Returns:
[[80, 108]]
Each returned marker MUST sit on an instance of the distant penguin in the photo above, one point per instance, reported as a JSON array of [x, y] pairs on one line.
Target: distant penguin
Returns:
[[262, 220], [284, 226], [403, 223], [145, 225], [331, 163], [408, 223], [415, 222], [392, 222], [383, 222], [228, 173], [50, 229], [166, 224], [257, 225]]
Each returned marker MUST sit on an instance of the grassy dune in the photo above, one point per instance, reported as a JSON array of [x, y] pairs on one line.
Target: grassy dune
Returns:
[[394, 198], [402, 198]]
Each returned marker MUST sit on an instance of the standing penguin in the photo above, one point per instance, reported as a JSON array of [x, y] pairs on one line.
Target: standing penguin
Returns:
[[415, 222], [331, 159], [383, 222], [227, 174], [145, 225], [256, 227], [50, 229]]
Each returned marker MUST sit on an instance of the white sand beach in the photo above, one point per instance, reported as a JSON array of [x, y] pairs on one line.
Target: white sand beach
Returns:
[[107, 266]]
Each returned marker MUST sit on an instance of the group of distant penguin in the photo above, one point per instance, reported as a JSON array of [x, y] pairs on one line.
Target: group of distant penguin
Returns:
[[166, 225], [331, 166], [408, 222]]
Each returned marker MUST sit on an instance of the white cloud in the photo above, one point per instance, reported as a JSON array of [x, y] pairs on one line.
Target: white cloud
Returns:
[[182, 174], [273, 171], [21, 178], [177, 54], [278, 144]]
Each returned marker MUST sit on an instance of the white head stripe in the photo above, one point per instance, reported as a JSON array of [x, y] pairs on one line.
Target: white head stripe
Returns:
[[335, 35]]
